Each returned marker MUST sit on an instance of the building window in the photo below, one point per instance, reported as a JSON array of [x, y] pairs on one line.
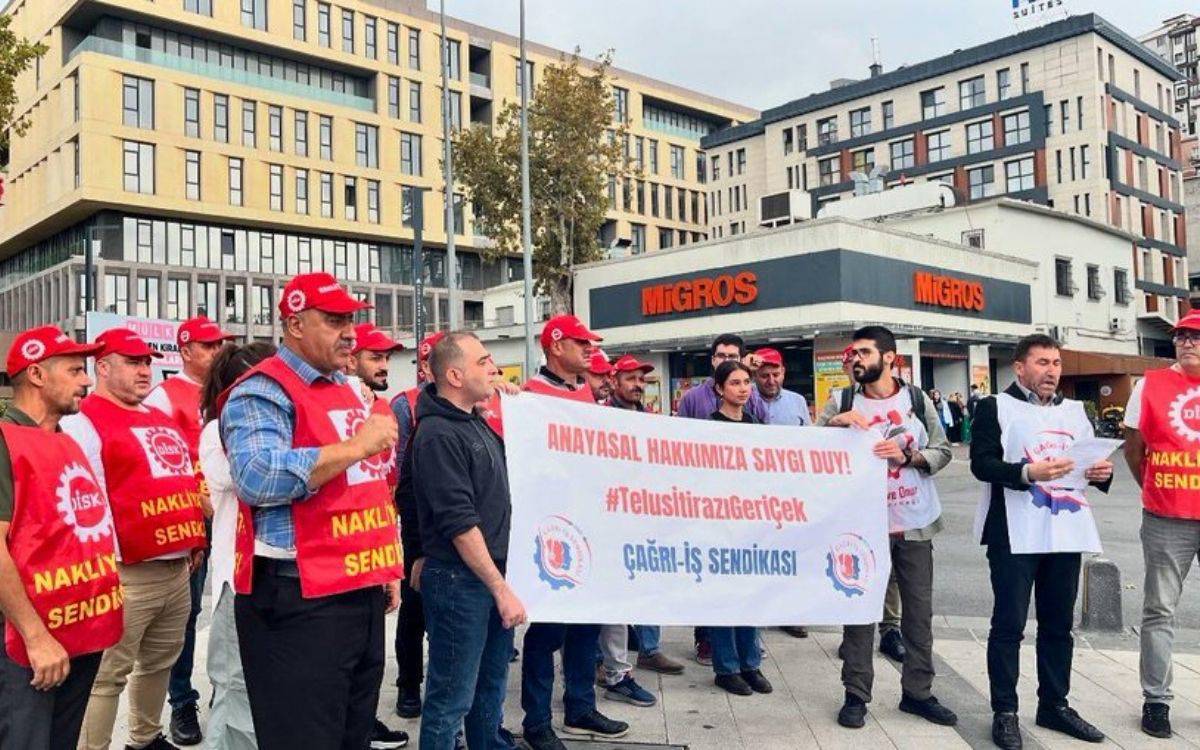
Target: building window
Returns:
[[454, 59], [637, 239], [327, 195], [191, 113], [276, 187], [191, 176], [455, 110], [221, 118], [741, 161], [299, 20], [323, 36], [1121, 286], [802, 137], [1024, 78], [863, 161], [262, 304], [369, 38], [521, 79], [301, 126], [971, 93], [147, 296], [1003, 84], [366, 145], [980, 137], [325, 137], [254, 14], [860, 122], [827, 131], [789, 141], [177, 299], [982, 182], [1094, 290], [116, 292], [206, 298], [139, 167], [677, 165], [716, 168], [373, 201], [302, 191], [933, 103], [458, 215], [414, 101], [1084, 161], [137, 102], [620, 104], [393, 97], [275, 127], [902, 154], [347, 31], [1018, 175], [249, 116], [410, 154], [235, 181], [406, 205], [393, 44], [203, 7], [1016, 128], [414, 49], [350, 198], [1064, 285], [829, 171], [652, 145], [938, 146], [889, 115]]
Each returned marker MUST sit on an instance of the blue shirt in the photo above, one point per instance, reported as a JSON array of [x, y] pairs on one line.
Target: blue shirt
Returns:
[[268, 473], [788, 408]]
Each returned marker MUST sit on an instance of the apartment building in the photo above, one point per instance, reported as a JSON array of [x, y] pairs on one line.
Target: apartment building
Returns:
[[1175, 42], [207, 151], [1073, 115]]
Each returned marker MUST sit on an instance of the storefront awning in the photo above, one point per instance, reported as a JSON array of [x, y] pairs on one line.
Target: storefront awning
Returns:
[[1076, 364]]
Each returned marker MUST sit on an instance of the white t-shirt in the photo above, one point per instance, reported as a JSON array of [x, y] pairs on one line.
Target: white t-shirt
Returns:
[[1133, 409], [225, 507], [158, 398]]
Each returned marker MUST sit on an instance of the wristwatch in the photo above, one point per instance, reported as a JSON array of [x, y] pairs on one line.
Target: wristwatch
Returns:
[[908, 458]]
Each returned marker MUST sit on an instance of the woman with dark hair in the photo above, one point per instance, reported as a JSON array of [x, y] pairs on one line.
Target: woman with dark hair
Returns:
[[736, 653], [230, 726]]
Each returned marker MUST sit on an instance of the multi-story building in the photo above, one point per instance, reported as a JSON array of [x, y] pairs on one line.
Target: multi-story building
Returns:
[[1073, 115], [1175, 42], [207, 151]]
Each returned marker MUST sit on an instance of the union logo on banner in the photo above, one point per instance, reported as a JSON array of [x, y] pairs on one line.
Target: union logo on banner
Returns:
[[561, 553], [165, 451], [850, 565]]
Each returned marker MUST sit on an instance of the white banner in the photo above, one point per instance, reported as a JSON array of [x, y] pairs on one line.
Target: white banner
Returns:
[[159, 334], [621, 517]]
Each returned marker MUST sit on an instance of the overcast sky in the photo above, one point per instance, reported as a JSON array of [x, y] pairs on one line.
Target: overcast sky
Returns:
[[766, 52]]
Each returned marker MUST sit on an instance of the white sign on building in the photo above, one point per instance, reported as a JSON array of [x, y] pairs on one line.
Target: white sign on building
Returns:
[[159, 334], [1030, 13]]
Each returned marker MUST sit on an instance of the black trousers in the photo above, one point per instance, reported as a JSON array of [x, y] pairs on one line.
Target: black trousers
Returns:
[[1053, 580], [43, 720], [313, 667], [410, 636]]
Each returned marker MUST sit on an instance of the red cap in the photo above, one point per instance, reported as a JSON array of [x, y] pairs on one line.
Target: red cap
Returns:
[[847, 354], [124, 341], [42, 343], [566, 327], [1191, 321], [599, 364], [629, 363], [769, 356], [317, 290], [369, 338], [427, 344], [200, 329]]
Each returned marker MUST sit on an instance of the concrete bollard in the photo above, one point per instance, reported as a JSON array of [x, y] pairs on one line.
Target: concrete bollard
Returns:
[[1101, 595]]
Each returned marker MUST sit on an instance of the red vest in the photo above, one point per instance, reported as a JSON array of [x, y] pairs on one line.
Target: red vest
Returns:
[[1170, 426], [346, 533], [61, 541], [379, 406], [582, 393], [184, 396], [152, 488]]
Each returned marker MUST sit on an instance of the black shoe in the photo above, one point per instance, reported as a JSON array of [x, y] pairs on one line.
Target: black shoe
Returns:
[[460, 741], [734, 683], [158, 743], [795, 631], [929, 710], [543, 739], [891, 645], [854, 712], [383, 738], [408, 703], [1066, 720], [1006, 731], [185, 725], [596, 723], [757, 682], [505, 735], [1156, 720]]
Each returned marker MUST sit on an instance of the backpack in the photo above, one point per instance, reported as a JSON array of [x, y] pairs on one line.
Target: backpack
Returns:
[[915, 394]]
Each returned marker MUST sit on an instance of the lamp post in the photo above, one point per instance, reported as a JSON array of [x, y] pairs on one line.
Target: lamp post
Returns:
[[526, 220], [447, 158]]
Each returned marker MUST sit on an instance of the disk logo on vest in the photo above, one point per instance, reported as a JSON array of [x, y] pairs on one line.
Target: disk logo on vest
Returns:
[[561, 553], [1047, 445], [850, 565], [1185, 415], [32, 349], [348, 422], [165, 451], [81, 504]]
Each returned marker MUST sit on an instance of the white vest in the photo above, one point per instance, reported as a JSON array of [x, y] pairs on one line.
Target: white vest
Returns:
[[912, 497], [1046, 518]]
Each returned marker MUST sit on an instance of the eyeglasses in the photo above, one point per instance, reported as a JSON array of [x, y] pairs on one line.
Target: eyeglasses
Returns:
[[1187, 339]]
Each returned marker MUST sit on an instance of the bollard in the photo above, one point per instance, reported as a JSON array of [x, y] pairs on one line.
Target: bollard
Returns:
[[1101, 595]]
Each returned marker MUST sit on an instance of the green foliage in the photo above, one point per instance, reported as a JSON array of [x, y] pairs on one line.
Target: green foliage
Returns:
[[16, 55]]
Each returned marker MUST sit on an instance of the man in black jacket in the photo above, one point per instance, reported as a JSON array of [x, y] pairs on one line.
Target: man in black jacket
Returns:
[[1053, 577], [460, 484]]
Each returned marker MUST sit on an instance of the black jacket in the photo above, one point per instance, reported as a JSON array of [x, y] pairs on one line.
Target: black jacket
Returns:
[[988, 465], [455, 468]]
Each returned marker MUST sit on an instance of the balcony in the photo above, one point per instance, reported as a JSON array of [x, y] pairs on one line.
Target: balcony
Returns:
[[483, 80], [187, 65]]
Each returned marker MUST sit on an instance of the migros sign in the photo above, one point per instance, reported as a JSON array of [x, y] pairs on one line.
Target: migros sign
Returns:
[[700, 293], [947, 291]]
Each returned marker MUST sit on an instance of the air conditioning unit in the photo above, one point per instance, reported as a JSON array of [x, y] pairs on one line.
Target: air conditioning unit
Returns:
[[1114, 325], [1054, 332], [784, 208]]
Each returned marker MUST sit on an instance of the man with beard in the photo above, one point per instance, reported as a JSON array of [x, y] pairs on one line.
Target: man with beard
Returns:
[[914, 444], [599, 375]]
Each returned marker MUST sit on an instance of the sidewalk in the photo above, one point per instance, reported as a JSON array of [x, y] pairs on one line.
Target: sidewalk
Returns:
[[694, 714]]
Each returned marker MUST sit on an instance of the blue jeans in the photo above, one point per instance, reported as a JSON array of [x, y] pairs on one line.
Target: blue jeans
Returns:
[[735, 650], [179, 688], [578, 644], [649, 637], [469, 649]]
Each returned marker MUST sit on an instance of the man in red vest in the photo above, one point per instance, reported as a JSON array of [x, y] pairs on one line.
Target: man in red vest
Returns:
[[199, 339], [53, 517], [317, 539], [141, 460], [567, 345], [1162, 440]]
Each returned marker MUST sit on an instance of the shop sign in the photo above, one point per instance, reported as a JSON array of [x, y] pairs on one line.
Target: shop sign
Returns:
[[703, 292], [947, 291]]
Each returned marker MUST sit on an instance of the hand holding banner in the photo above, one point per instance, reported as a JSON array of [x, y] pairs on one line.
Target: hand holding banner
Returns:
[[623, 517]]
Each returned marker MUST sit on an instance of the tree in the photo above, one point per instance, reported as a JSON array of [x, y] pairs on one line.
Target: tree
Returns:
[[16, 54], [574, 148]]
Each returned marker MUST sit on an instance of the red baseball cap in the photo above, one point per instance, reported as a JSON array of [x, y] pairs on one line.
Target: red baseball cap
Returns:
[[629, 363], [770, 356], [847, 354], [1191, 321], [124, 341], [369, 338], [599, 364], [317, 290], [42, 343], [427, 344], [566, 327], [202, 330]]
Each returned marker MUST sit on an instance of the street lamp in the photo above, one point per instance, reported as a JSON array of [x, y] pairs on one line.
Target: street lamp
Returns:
[[526, 221]]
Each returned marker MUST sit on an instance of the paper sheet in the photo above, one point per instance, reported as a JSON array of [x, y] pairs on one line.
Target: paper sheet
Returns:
[[1086, 453]]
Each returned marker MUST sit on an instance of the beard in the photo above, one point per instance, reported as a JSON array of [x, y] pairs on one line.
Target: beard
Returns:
[[377, 385], [869, 374]]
